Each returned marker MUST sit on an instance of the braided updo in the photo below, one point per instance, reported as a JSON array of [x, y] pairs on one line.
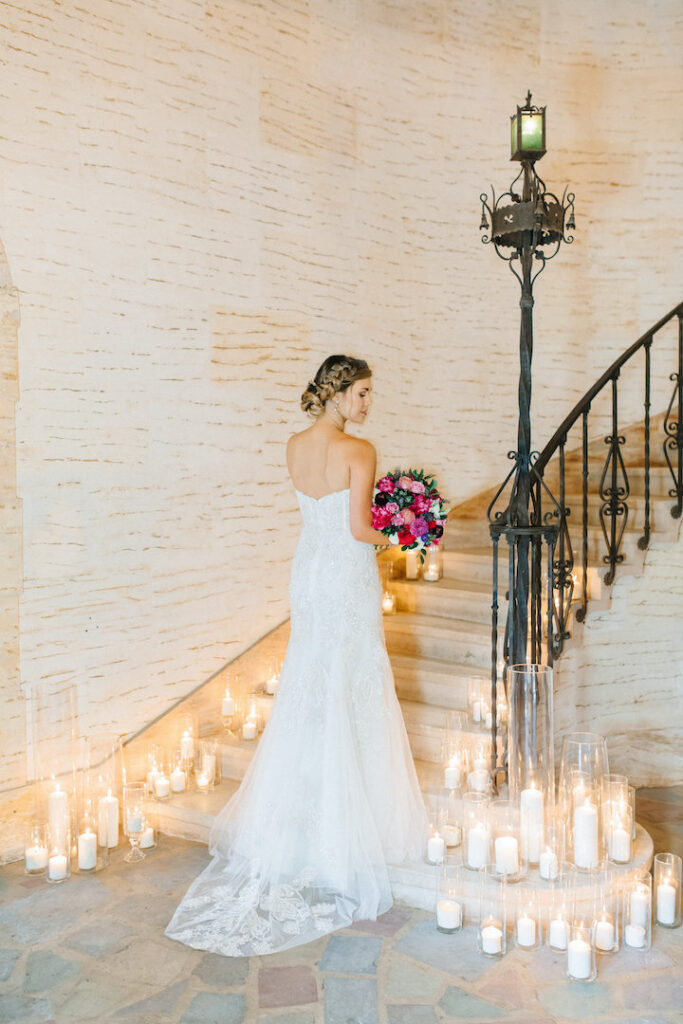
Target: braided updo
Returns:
[[336, 374]]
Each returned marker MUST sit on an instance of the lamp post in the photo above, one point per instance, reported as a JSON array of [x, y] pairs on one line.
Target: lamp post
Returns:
[[526, 225]]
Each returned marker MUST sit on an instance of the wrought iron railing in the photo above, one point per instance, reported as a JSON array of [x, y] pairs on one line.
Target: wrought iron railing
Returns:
[[614, 489]]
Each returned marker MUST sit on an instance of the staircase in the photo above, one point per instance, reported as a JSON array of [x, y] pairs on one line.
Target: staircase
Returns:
[[439, 639]]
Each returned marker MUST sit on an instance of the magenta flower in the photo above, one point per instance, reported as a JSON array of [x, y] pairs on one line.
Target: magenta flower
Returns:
[[417, 487], [385, 484], [418, 527]]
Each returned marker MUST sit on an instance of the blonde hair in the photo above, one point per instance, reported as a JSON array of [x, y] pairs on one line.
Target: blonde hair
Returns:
[[336, 374]]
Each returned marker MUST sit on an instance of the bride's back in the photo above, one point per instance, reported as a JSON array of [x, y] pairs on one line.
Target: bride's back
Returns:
[[318, 460]]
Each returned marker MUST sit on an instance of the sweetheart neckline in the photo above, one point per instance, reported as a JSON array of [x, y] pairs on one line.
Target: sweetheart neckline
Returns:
[[328, 495]]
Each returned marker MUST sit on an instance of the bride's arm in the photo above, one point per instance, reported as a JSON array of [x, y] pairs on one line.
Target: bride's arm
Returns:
[[362, 485]]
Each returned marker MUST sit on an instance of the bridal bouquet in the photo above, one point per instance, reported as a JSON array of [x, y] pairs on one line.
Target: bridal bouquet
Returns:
[[408, 509]]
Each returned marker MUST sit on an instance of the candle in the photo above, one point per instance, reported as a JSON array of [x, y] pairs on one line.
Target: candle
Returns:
[[56, 867], [489, 720], [36, 857], [108, 820], [531, 821], [162, 786], [228, 705], [87, 850], [147, 838], [639, 909], [476, 711], [453, 774], [134, 822], [436, 848], [477, 845], [58, 812], [478, 781], [412, 565], [491, 939], [209, 766], [272, 684], [187, 746], [249, 729], [203, 782], [547, 865], [526, 931], [452, 834], [585, 835], [579, 959], [480, 761], [619, 844], [604, 936], [666, 903], [448, 915], [507, 855], [178, 780], [634, 936], [558, 934], [388, 602], [152, 776]]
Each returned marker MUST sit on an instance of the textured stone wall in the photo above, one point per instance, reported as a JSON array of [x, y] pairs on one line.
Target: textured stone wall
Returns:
[[201, 200]]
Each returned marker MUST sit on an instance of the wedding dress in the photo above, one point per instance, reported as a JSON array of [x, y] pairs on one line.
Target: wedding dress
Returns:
[[331, 794]]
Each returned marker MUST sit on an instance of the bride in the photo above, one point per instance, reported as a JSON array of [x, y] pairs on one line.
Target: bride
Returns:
[[331, 795]]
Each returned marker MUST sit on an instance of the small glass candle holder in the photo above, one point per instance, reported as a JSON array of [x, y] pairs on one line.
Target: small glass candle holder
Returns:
[[549, 857], [667, 883], [492, 932], [229, 706], [58, 856], [436, 847], [605, 890], [453, 771], [507, 856], [35, 850], [617, 823], [412, 564], [584, 833], [189, 736], [449, 902], [162, 776], [528, 919], [388, 603], [560, 906], [475, 827], [474, 698], [156, 758], [178, 776], [148, 839], [134, 819], [207, 772], [249, 728], [580, 951], [432, 569], [273, 677], [637, 913], [451, 824]]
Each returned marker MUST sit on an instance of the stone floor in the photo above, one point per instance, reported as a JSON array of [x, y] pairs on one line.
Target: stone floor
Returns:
[[93, 950]]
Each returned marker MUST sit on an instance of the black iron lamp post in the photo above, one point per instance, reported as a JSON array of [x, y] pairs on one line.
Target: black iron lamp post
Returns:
[[526, 226]]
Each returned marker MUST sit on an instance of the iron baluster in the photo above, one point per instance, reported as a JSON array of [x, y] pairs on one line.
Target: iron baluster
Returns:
[[563, 564], [645, 539], [581, 613], [494, 664], [673, 429], [614, 495]]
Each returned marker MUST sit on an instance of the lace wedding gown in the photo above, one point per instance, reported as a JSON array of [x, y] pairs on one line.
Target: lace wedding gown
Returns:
[[331, 794]]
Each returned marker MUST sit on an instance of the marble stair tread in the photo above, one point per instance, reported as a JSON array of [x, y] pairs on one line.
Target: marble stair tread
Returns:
[[447, 598]]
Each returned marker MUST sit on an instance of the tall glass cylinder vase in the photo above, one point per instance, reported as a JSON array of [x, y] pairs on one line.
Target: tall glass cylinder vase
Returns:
[[606, 898], [583, 765], [530, 749], [449, 901], [476, 834], [637, 913], [493, 912], [560, 906], [668, 890]]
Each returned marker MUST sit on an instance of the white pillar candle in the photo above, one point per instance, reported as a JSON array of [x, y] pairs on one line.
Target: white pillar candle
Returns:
[[547, 865], [579, 959], [272, 684], [634, 936], [178, 780], [448, 914], [491, 939], [162, 786], [147, 838], [507, 855], [228, 704], [558, 933], [108, 820], [36, 858], [187, 746], [56, 867], [249, 730], [452, 834], [639, 909], [666, 903], [152, 776], [453, 774], [619, 845], [526, 931], [87, 850], [134, 822], [480, 762], [476, 711], [531, 823], [436, 848], [478, 781], [604, 936], [203, 782], [585, 835], [58, 812], [477, 845]]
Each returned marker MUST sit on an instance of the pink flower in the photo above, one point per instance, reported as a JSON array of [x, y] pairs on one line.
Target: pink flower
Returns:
[[380, 518], [421, 503], [417, 487], [408, 516], [392, 506], [398, 519], [404, 482], [385, 484]]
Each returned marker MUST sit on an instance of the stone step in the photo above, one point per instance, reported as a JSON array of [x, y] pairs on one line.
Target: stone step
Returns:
[[455, 640], [449, 598], [434, 681]]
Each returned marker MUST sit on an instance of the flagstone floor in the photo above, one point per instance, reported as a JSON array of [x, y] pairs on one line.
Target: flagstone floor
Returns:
[[93, 950]]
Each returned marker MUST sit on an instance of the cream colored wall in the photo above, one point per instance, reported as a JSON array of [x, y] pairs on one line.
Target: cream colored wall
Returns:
[[201, 200]]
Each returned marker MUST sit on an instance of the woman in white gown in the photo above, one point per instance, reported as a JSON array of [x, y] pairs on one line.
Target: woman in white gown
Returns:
[[331, 794]]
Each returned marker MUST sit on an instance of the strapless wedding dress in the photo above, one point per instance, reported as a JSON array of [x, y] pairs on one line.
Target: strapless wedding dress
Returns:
[[331, 795]]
